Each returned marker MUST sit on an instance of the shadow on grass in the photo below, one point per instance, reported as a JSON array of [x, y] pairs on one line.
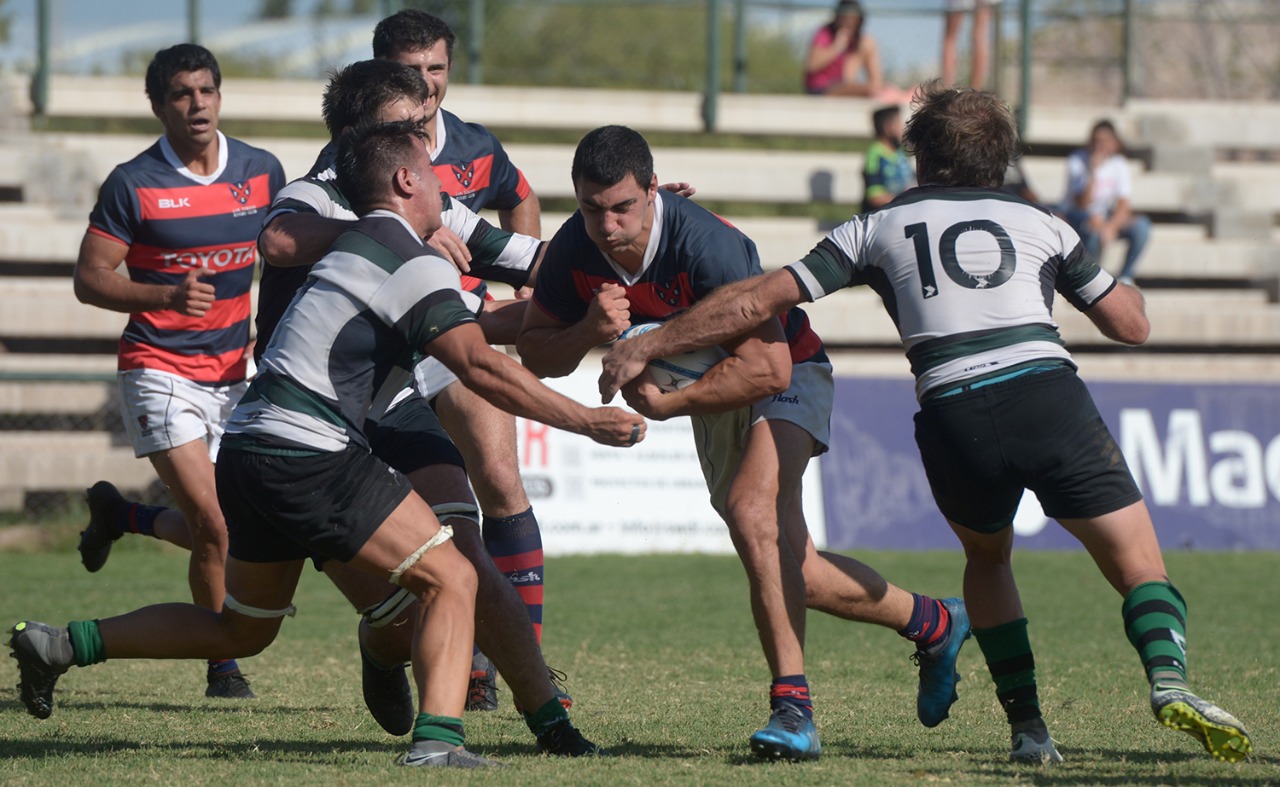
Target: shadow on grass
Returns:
[[198, 706], [274, 750], [1088, 766]]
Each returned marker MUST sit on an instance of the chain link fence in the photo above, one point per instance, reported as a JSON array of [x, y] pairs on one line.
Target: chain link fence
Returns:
[[1106, 51]]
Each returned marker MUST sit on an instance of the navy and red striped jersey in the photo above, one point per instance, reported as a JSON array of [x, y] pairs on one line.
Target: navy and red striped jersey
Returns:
[[475, 170], [172, 221], [695, 252]]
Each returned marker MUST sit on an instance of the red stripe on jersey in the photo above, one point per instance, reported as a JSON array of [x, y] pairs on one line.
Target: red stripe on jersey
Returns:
[[456, 179], [657, 300], [805, 343], [523, 190], [226, 368], [216, 199], [661, 299], [223, 314], [519, 562], [103, 234], [223, 257]]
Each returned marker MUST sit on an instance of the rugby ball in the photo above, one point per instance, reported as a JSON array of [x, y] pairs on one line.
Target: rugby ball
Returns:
[[677, 371]]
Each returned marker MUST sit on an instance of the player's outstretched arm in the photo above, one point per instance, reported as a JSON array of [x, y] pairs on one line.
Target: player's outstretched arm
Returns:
[[96, 283], [292, 239], [510, 387], [1121, 315], [731, 310]]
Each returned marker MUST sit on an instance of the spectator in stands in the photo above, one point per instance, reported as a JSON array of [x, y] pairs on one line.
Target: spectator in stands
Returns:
[[844, 61], [183, 217], [888, 172], [1097, 202], [981, 46]]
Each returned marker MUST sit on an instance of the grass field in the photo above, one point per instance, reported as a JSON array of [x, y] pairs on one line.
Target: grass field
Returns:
[[664, 664]]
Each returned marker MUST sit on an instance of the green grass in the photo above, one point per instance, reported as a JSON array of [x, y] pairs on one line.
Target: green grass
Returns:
[[664, 665]]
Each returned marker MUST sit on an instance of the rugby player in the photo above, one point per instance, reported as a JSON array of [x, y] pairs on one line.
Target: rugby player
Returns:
[[182, 216], [968, 271], [634, 253]]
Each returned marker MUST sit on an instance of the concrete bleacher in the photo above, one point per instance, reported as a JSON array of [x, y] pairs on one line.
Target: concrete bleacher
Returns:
[[1214, 254]]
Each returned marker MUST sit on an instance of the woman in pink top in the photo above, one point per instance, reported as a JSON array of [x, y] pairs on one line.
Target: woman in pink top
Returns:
[[840, 53]]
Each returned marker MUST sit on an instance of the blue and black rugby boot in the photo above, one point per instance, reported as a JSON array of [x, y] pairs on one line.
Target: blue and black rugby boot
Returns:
[[938, 677], [789, 735]]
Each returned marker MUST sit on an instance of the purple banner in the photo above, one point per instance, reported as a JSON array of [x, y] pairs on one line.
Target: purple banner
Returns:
[[1207, 458]]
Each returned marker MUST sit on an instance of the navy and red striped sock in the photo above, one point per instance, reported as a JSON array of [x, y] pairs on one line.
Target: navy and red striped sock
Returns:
[[515, 544], [791, 690], [929, 622], [139, 518]]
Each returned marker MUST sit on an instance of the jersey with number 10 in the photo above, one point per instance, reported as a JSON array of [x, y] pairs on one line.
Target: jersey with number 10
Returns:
[[968, 276]]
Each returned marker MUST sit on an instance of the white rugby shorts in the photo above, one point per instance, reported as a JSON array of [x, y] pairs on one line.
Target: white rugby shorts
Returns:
[[163, 411], [720, 439]]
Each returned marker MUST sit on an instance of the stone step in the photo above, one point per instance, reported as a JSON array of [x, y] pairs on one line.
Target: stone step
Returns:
[[54, 461]]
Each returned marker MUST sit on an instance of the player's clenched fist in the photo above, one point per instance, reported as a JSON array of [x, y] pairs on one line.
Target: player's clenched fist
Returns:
[[193, 297], [614, 426], [609, 313]]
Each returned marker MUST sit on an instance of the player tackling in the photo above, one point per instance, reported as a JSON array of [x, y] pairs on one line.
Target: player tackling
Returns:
[[634, 253], [968, 272], [296, 476]]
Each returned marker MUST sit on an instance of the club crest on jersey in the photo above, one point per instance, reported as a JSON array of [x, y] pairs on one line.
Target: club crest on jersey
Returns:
[[240, 191], [669, 293], [465, 173], [144, 424]]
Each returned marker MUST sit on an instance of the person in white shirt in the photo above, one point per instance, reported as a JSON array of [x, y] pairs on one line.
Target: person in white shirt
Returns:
[[1097, 202]]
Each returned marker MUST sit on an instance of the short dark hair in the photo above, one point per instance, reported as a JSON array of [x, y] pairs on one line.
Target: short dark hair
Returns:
[[608, 154], [881, 117], [175, 60], [368, 154], [960, 136], [411, 30], [357, 93]]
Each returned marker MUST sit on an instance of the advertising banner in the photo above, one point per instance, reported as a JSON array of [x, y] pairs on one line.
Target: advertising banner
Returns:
[[1207, 458], [648, 498]]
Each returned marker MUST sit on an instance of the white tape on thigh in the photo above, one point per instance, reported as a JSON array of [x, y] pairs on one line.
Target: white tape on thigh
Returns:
[[383, 613], [442, 535], [466, 511], [254, 612]]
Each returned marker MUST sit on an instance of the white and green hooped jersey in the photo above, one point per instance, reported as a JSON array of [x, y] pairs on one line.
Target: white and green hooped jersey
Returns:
[[349, 340], [967, 275]]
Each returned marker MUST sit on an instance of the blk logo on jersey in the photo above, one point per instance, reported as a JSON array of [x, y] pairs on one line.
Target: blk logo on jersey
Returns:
[[465, 173], [166, 203], [240, 191]]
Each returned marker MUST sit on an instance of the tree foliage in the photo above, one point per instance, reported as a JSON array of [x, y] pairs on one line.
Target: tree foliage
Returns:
[[275, 9], [588, 43], [649, 46]]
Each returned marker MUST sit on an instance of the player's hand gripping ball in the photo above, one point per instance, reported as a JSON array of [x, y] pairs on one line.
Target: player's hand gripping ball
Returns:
[[677, 371]]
